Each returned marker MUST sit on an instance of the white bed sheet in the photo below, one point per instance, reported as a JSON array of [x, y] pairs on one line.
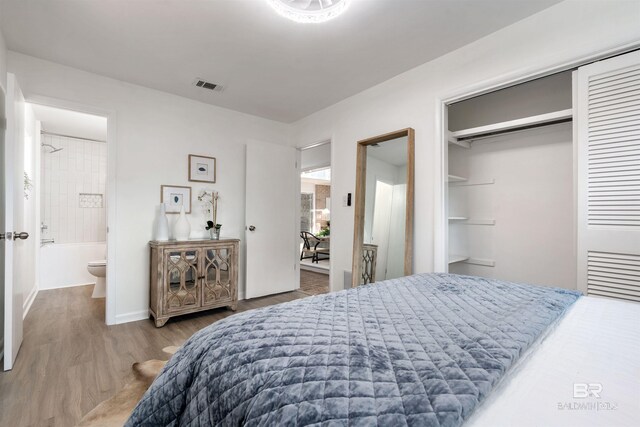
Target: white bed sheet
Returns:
[[597, 342]]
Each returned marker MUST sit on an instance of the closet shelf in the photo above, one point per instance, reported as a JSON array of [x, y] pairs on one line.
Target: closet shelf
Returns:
[[455, 178], [463, 137], [458, 218], [480, 261], [471, 183], [457, 258]]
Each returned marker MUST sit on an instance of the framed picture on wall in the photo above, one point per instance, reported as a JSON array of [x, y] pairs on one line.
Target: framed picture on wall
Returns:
[[174, 197], [202, 168]]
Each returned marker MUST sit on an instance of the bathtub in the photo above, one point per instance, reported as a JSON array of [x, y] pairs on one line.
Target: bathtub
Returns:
[[64, 265]]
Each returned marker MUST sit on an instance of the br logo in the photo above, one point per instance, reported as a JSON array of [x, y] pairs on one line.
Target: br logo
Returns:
[[585, 390]]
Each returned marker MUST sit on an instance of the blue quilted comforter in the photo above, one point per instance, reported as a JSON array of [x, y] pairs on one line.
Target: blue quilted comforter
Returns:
[[423, 350]]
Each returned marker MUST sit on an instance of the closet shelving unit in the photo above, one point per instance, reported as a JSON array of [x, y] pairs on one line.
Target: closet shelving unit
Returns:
[[464, 138]]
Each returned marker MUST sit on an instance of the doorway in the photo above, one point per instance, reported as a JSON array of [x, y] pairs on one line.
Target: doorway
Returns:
[[70, 183], [315, 219]]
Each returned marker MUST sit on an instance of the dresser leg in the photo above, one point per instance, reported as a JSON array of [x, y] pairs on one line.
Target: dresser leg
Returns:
[[160, 322], [234, 306]]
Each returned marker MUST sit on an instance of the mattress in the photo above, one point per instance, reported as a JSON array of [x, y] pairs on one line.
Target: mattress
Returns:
[[585, 372], [422, 350]]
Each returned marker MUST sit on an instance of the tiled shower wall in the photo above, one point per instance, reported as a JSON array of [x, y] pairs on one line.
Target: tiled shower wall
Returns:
[[73, 203]]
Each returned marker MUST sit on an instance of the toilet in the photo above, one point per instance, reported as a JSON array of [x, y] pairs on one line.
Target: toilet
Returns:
[[99, 270]]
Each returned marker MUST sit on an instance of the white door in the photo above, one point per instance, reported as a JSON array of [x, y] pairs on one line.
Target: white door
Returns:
[[13, 212], [271, 219], [608, 124]]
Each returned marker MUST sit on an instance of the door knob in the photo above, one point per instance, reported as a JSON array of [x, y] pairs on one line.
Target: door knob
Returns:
[[22, 236], [252, 228]]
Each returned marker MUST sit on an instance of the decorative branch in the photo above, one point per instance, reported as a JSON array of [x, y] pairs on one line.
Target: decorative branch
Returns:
[[210, 203]]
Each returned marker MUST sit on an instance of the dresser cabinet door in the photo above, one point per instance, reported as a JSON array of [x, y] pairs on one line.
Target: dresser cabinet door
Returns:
[[217, 283], [181, 290]]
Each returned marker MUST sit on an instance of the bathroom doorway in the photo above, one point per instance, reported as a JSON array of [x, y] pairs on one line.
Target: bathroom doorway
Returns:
[[70, 186]]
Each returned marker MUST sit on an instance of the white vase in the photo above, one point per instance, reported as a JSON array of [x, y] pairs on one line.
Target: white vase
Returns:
[[161, 224], [182, 228]]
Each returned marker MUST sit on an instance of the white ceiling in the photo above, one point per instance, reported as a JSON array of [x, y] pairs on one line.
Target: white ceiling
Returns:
[[268, 66], [71, 123]]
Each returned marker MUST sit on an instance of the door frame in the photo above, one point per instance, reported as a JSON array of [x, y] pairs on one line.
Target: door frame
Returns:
[[110, 115], [299, 202], [557, 65]]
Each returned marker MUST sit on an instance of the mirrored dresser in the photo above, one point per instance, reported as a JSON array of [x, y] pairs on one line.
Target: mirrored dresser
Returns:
[[191, 276]]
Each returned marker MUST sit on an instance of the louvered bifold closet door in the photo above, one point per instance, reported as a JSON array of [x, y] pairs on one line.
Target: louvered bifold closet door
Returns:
[[608, 124]]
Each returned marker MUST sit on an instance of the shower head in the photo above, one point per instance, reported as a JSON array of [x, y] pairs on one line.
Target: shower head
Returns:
[[53, 149]]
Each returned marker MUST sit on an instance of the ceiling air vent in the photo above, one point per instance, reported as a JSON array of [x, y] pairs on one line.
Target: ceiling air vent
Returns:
[[207, 85]]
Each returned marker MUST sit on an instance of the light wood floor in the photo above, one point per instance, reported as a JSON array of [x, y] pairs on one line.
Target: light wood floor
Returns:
[[70, 360]]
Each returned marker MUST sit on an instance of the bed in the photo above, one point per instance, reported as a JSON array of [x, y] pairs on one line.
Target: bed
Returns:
[[422, 350]]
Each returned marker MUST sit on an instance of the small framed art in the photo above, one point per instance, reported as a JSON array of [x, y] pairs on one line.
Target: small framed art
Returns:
[[174, 197], [202, 168]]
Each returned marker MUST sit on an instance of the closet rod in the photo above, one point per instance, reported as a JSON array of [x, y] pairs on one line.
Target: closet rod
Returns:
[[514, 130], [467, 135], [44, 132]]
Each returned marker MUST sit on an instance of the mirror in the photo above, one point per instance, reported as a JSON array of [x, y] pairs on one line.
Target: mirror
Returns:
[[383, 226]]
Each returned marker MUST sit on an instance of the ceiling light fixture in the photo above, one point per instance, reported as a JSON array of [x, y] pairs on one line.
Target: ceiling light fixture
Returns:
[[309, 11]]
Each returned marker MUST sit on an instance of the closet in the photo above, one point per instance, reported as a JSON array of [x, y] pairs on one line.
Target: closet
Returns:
[[511, 210], [543, 181]]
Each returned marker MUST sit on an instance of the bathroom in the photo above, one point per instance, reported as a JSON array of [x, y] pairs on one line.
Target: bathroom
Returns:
[[71, 189]]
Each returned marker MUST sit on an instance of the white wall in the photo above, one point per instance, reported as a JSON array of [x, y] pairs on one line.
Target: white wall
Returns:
[[3, 62], [79, 168], [155, 132], [561, 34]]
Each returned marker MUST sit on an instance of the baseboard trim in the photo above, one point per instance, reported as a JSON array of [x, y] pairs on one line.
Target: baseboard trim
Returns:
[[27, 304], [46, 288], [133, 316]]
